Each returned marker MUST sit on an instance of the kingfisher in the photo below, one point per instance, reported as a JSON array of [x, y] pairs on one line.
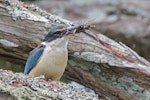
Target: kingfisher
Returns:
[[51, 56]]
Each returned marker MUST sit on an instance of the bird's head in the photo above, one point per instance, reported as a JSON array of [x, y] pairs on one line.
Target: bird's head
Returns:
[[56, 37], [61, 30], [55, 32]]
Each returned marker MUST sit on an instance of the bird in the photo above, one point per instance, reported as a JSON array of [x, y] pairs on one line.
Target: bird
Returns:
[[51, 56]]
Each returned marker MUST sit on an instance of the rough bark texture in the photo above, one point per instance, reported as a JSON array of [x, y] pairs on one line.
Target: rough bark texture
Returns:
[[111, 69], [121, 20], [17, 86]]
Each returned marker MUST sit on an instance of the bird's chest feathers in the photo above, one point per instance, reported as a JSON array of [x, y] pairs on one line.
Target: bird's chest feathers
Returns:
[[52, 63], [58, 56], [54, 57]]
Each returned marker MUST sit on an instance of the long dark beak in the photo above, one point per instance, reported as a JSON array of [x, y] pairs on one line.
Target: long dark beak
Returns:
[[70, 28], [78, 28]]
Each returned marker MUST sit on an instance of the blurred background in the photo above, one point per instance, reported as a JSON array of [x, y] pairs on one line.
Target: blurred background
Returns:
[[127, 21]]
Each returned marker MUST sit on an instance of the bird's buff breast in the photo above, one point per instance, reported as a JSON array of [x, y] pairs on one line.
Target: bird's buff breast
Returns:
[[52, 63]]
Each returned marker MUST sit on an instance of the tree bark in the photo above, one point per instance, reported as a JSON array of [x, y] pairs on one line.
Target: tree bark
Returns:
[[111, 69]]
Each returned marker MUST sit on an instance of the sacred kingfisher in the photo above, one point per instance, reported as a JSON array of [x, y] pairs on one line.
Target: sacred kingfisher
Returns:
[[51, 56]]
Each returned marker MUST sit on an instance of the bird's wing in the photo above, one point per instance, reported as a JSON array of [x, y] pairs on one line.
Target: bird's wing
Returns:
[[33, 59]]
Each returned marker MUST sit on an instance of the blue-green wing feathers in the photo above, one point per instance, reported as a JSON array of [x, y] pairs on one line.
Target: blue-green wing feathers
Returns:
[[33, 59]]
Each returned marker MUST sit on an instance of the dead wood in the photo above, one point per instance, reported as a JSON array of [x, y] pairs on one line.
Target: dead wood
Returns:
[[111, 69]]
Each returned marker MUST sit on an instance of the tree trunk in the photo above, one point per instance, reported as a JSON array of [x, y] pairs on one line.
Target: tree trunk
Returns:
[[111, 69]]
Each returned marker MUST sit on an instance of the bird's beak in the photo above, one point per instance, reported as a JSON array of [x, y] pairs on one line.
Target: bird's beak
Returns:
[[73, 27], [70, 29], [77, 28]]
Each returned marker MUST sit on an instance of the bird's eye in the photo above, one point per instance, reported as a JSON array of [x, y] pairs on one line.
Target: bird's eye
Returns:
[[58, 34]]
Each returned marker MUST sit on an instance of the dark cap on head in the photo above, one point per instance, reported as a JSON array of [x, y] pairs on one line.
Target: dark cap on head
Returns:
[[55, 32]]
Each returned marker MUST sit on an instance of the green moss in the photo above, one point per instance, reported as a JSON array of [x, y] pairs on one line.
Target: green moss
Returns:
[[11, 66], [85, 65]]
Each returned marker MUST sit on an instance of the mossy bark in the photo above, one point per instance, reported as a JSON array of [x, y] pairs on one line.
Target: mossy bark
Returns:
[[94, 62]]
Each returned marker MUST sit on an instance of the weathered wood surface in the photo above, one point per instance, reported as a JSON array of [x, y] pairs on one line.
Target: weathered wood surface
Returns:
[[122, 20], [111, 69], [21, 87]]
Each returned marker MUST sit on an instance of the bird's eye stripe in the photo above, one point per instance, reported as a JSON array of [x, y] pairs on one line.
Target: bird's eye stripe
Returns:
[[60, 30]]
